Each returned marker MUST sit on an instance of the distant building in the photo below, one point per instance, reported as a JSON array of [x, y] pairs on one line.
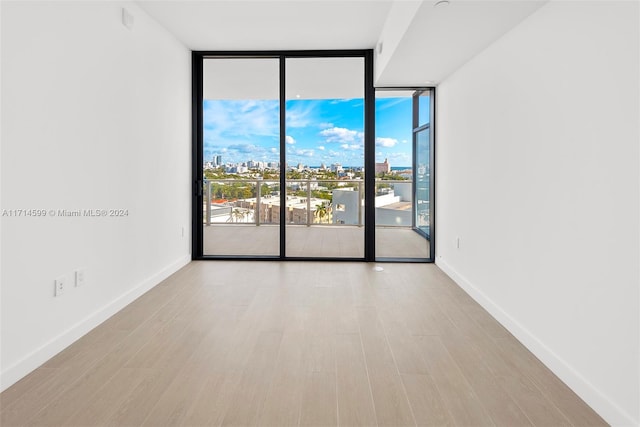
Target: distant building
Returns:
[[383, 167], [251, 164], [237, 169], [336, 167], [302, 185], [269, 209], [403, 190], [394, 209], [347, 206], [217, 161]]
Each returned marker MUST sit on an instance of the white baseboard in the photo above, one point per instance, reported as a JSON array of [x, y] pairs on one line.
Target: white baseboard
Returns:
[[600, 403], [14, 373]]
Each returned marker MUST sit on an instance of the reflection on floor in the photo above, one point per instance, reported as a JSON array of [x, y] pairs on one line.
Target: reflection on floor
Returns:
[[317, 241]]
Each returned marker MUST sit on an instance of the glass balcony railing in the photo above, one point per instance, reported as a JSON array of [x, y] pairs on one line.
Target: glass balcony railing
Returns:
[[338, 202]]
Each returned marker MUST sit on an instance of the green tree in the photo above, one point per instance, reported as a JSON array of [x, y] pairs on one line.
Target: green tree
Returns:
[[265, 190], [391, 176], [294, 174], [323, 211], [246, 192], [320, 194], [237, 215]]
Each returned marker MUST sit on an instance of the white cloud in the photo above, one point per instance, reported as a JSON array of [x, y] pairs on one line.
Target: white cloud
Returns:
[[342, 135], [299, 115], [321, 147], [232, 119], [246, 148], [305, 152], [273, 150], [350, 146], [386, 142], [289, 140]]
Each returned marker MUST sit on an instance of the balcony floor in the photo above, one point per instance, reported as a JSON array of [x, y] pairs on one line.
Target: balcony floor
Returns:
[[324, 241]]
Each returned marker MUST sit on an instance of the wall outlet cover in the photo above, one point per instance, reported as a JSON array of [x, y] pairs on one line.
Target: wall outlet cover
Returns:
[[60, 285], [79, 277]]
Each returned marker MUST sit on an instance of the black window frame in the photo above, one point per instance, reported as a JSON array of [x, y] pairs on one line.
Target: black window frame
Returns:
[[198, 58], [415, 129]]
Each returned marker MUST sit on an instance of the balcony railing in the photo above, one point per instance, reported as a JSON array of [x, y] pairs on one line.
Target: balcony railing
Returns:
[[308, 202]]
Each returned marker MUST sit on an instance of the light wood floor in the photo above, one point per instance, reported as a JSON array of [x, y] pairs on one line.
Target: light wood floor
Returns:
[[315, 242], [297, 343]]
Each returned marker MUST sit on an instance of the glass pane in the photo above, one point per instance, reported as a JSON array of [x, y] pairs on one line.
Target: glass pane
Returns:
[[424, 108], [396, 236], [325, 157], [423, 176], [241, 141]]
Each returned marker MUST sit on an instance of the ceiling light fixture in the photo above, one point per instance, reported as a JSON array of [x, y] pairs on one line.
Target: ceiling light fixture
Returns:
[[441, 3]]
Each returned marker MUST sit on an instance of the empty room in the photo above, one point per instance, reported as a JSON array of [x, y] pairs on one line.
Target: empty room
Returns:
[[320, 213]]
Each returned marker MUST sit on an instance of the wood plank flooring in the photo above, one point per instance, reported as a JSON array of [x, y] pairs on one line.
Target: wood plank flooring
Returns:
[[230, 343]]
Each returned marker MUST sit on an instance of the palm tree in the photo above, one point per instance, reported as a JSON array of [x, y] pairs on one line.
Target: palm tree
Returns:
[[322, 211], [237, 214]]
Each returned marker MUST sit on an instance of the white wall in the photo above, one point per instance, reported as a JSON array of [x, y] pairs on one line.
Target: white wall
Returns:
[[396, 25], [94, 116], [538, 174]]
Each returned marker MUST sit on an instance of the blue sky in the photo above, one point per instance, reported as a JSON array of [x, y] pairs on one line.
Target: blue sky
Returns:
[[317, 131]]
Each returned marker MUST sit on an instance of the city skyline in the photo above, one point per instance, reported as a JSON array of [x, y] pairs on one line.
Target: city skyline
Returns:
[[317, 131]]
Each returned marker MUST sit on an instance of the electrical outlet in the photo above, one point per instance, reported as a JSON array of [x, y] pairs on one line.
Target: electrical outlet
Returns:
[[80, 276], [60, 285], [127, 19]]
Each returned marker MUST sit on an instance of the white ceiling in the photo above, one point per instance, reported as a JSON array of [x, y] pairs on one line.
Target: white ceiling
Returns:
[[271, 25], [441, 39], [422, 44]]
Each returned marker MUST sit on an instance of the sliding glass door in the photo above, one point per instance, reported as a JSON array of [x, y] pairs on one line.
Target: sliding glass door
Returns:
[[296, 156], [324, 154], [241, 157]]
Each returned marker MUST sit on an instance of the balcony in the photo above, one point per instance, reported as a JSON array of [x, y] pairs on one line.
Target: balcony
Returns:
[[324, 218]]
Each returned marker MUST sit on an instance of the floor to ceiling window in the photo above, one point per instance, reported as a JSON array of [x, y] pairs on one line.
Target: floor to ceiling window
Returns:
[[287, 163], [241, 156], [324, 121], [422, 171], [402, 171]]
